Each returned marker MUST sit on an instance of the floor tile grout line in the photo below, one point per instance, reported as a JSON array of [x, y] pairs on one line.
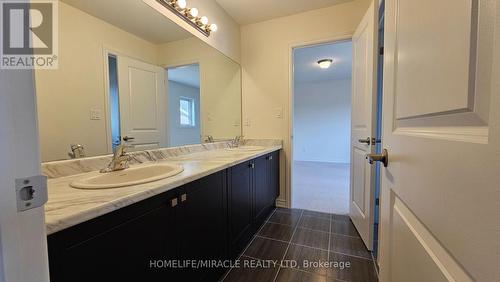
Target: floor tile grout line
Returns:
[[375, 265], [295, 268], [287, 247], [329, 237], [290, 243], [316, 248], [251, 241], [301, 227]]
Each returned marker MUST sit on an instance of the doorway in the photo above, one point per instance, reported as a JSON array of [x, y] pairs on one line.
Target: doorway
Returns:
[[322, 127], [184, 105]]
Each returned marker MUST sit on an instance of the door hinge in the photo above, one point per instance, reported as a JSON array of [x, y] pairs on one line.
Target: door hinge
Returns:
[[381, 50]]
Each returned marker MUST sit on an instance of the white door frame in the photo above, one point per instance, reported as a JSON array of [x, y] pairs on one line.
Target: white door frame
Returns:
[[108, 50], [23, 239], [288, 143]]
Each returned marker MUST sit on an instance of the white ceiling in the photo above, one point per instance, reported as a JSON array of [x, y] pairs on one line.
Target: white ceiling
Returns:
[[307, 69], [252, 11], [188, 75], [133, 16]]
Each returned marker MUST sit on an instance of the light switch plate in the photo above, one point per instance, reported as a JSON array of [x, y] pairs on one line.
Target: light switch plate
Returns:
[[95, 114], [278, 112], [31, 192]]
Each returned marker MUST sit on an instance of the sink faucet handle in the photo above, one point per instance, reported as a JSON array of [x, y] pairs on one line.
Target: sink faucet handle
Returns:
[[121, 150]]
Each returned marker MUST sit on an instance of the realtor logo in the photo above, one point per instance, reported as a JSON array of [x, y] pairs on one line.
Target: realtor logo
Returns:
[[28, 34]]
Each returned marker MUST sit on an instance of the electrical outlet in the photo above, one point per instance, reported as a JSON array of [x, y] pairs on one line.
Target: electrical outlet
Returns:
[[95, 114]]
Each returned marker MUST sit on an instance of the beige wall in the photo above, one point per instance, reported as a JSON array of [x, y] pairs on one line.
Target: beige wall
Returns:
[[66, 95], [220, 83], [265, 59]]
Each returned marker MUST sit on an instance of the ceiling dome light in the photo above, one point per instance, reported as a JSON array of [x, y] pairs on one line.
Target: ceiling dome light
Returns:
[[193, 12], [213, 27], [204, 20], [325, 63], [181, 4]]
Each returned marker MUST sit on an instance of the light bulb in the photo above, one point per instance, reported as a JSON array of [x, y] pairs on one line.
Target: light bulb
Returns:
[[181, 4], [325, 63], [213, 27], [204, 20], [193, 12]]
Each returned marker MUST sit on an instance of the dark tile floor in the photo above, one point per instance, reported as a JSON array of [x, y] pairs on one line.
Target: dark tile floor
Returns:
[[301, 245]]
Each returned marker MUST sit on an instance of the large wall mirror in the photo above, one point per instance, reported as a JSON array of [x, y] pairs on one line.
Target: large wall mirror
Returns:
[[127, 73]]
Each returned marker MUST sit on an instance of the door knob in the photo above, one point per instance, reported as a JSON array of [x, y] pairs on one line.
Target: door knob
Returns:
[[128, 138], [367, 141], [383, 158]]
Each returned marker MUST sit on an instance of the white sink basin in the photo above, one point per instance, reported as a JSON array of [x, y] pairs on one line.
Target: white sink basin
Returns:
[[128, 177], [246, 148]]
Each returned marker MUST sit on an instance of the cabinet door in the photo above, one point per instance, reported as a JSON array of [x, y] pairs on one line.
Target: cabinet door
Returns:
[[123, 253], [202, 221], [261, 189], [274, 175], [240, 207]]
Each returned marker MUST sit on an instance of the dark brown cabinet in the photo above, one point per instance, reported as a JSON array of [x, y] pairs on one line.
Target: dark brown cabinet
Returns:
[[212, 218], [240, 201], [118, 246], [253, 189]]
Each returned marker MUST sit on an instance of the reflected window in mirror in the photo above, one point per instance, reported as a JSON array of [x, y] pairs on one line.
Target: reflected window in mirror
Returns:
[[114, 101], [187, 112]]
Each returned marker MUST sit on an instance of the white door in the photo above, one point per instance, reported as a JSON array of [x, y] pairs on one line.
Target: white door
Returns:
[[364, 93], [440, 194], [142, 104], [23, 241]]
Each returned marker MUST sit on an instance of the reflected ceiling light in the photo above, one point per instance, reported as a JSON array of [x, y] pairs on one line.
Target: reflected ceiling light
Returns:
[[190, 15], [325, 63]]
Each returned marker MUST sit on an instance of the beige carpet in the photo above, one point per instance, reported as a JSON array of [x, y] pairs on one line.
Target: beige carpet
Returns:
[[322, 187]]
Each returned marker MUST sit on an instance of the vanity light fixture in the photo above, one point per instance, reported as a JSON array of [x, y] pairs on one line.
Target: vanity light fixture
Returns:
[[325, 63], [203, 20], [190, 15]]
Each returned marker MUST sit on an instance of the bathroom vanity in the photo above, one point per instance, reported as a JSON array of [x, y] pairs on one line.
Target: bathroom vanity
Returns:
[[174, 101], [206, 214]]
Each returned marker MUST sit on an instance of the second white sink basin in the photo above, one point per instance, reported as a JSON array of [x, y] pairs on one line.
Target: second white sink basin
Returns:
[[128, 177], [246, 148]]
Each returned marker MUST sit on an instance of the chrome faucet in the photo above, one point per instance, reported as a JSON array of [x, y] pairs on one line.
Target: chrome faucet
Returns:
[[120, 159], [77, 151], [209, 139], [236, 141]]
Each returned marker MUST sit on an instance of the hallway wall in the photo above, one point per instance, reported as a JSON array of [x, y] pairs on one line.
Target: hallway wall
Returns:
[[265, 61], [322, 121]]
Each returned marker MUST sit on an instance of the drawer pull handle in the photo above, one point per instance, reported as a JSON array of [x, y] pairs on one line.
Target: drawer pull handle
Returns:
[[183, 198], [173, 202]]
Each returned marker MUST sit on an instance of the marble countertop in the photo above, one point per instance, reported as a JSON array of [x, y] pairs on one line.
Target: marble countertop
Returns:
[[68, 206]]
